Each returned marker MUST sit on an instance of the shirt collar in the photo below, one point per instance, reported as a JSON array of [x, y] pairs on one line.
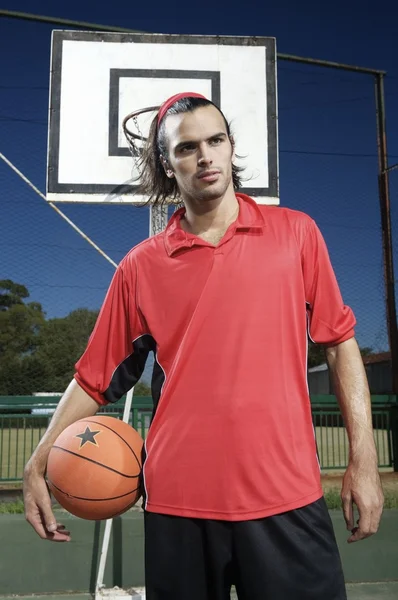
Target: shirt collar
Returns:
[[249, 218]]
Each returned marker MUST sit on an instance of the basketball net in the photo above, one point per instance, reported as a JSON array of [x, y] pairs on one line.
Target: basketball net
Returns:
[[132, 130]]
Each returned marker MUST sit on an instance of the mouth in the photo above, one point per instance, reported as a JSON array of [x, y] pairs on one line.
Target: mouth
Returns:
[[209, 175]]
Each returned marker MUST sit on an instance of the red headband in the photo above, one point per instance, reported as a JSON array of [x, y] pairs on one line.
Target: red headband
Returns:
[[168, 103]]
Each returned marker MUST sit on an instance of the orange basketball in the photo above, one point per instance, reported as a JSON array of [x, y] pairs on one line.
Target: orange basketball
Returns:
[[94, 467]]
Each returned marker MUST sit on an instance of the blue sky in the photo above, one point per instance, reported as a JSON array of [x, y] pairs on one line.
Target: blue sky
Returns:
[[327, 137]]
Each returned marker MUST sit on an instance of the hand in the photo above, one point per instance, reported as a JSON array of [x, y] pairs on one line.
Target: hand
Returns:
[[362, 487], [38, 511]]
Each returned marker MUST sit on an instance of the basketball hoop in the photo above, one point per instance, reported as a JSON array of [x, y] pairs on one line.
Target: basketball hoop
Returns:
[[136, 139]]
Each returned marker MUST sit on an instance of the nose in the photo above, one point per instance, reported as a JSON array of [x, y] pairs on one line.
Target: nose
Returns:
[[204, 158]]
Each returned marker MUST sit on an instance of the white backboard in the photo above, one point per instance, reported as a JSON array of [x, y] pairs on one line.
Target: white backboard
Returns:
[[99, 78]]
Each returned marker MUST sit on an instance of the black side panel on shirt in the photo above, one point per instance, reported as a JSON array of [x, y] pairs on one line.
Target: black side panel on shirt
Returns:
[[130, 370], [158, 379]]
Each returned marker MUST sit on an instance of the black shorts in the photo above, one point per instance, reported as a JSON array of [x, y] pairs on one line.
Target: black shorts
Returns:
[[291, 556]]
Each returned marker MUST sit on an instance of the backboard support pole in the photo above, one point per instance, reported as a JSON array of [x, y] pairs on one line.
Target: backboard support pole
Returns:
[[158, 218]]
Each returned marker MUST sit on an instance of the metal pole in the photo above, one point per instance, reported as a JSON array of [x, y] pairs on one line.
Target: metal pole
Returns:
[[158, 218], [385, 212], [12, 14], [329, 64]]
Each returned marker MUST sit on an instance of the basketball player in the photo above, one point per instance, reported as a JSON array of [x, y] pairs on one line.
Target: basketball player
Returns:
[[225, 297]]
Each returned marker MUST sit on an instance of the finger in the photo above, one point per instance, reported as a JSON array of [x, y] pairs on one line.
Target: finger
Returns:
[[62, 529], [363, 530], [370, 528], [364, 521], [376, 516], [358, 535], [348, 510], [38, 527], [48, 518], [354, 536], [59, 536]]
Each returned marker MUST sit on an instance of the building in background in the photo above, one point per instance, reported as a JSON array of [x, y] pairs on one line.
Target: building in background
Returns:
[[378, 371]]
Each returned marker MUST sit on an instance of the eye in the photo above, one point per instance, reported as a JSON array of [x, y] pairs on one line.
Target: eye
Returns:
[[216, 141], [187, 148]]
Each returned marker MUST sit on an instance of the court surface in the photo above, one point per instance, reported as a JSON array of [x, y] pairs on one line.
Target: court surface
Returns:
[[355, 591], [367, 591]]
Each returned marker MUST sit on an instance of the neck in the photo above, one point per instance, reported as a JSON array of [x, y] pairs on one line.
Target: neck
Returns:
[[202, 216]]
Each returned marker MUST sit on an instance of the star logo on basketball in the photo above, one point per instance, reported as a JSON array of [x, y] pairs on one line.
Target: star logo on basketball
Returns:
[[87, 437]]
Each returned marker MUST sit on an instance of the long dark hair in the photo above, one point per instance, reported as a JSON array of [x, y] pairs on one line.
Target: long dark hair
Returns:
[[154, 182]]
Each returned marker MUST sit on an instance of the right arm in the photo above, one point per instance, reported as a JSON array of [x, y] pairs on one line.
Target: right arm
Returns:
[[103, 374], [75, 404]]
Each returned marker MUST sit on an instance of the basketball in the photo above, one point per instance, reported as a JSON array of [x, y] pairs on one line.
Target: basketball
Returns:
[[94, 468]]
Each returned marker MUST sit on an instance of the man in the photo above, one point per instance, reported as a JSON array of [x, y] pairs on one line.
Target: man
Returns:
[[224, 297]]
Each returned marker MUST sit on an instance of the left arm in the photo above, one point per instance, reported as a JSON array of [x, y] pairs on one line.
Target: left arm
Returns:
[[331, 324], [361, 484]]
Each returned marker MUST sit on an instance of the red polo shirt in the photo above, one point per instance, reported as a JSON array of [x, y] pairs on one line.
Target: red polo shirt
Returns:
[[232, 435]]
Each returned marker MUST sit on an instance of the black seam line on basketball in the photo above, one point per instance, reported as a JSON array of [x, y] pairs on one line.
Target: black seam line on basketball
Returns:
[[96, 463], [118, 435], [92, 499]]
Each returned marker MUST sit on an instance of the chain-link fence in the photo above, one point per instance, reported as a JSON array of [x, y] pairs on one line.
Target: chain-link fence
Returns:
[[328, 169], [328, 158], [393, 187], [393, 180]]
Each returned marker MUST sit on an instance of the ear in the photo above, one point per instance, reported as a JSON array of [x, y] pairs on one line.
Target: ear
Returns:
[[169, 172]]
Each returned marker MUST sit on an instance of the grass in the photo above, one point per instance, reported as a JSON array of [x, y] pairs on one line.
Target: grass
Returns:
[[16, 507], [333, 500], [11, 508], [390, 500], [16, 447], [332, 444]]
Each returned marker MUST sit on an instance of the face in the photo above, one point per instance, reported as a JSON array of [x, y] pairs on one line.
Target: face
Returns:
[[200, 154]]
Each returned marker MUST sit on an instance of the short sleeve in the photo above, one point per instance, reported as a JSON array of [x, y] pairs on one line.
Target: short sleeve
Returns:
[[109, 367], [330, 320]]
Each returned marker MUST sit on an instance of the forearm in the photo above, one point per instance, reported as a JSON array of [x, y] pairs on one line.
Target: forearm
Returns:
[[75, 404], [352, 392]]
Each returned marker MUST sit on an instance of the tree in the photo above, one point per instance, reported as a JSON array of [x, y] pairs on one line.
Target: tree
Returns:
[[142, 389], [317, 356], [61, 343], [20, 325], [366, 351], [39, 355], [11, 293]]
